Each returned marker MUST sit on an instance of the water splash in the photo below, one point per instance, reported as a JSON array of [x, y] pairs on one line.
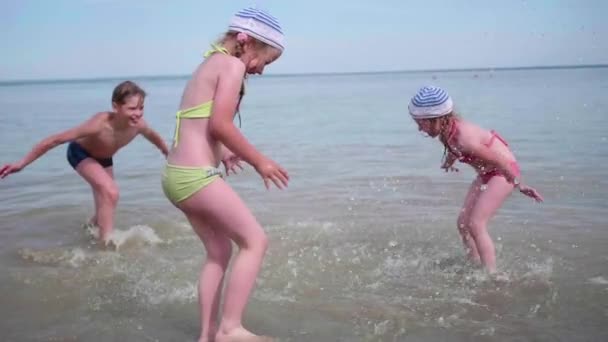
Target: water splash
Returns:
[[600, 280], [135, 235], [73, 257]]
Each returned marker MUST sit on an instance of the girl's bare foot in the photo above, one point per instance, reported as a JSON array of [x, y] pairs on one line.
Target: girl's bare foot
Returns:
[[111, 245], [209, 337], [240, 334], [91, 223]]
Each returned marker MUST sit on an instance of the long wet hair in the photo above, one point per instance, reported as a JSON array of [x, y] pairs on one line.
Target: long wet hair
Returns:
[[446, 124]]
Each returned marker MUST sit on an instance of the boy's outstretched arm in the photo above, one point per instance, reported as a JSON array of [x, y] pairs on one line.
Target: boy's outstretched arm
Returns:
[[155, 139], [89, 127]]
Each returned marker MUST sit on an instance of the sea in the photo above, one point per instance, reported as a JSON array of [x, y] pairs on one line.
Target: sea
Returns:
[[363, 243]]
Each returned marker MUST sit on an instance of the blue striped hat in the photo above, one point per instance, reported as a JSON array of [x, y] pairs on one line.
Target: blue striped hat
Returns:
[[430, 102], [258, 24]]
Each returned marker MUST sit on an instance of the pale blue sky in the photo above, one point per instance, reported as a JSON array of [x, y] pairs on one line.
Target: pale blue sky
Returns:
[[56, 39]]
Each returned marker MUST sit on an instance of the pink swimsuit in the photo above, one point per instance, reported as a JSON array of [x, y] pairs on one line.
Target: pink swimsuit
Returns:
[[477, 163]]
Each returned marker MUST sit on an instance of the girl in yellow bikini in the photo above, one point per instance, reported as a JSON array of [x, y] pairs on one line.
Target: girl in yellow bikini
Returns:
[[205, 135]]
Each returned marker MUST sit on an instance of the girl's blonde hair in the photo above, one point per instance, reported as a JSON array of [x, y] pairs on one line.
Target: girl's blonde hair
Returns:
[[240, 46], [239, 50], [446, 123]]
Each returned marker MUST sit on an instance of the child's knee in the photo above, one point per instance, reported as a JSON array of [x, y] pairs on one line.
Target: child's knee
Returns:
[[258, 242], [220, 252], [477, 226], [263, 242], [109, 193], [462, 224]]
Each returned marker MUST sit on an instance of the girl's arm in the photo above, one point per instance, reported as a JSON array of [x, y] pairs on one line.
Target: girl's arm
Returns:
[[448, 163], [224, 106], [505, 165], [226, 153], [222, 127], [501, 161]]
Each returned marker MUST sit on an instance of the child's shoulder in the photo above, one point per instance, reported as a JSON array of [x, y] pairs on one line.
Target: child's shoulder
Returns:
[[220, 66], [141, 125], [97, 120], [102, 116], [227, 64], [470, 133]]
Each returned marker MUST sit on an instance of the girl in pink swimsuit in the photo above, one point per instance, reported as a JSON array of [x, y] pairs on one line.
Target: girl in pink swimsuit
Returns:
[[487, 152]]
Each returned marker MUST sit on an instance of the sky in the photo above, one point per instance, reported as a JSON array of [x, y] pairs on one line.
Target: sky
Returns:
[[66, 39]]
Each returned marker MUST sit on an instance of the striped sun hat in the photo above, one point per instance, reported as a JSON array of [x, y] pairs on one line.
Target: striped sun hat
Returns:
[[430, 102], [258, 24]]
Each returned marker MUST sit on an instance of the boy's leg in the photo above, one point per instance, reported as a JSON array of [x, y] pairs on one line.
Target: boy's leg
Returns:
[[93, 220], [105, 192]]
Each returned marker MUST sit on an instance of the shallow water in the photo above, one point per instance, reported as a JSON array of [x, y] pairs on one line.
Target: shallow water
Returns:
[[364, 244]]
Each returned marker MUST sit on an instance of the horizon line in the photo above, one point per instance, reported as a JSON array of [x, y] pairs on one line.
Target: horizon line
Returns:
[[345, 73]]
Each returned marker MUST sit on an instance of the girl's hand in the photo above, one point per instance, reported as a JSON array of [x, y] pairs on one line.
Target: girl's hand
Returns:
[[449, 168], [448, 163], [530, 192], [271, 171], [231, 163]]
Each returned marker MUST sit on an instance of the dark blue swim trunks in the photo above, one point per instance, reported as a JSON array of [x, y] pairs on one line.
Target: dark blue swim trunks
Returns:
[[76, 154]]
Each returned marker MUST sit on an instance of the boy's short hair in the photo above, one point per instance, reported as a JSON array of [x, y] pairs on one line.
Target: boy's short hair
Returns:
[[125, 90]]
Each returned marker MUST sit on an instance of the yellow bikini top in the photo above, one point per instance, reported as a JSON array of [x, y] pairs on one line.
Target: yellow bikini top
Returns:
[[216, 48], [203, 110]]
